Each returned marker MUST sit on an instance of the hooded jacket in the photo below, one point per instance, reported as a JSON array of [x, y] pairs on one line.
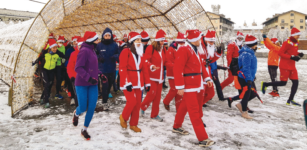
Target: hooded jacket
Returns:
[[289, 48], [273, 59], [247, 64], [109, 52]]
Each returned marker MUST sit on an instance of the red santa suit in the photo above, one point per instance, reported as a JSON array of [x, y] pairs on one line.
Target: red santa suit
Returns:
[[189, 74], [158, 59], [133, 71], [212, 57]]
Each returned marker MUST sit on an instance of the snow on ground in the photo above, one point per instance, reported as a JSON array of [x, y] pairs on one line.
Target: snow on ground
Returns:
[[275, 125]]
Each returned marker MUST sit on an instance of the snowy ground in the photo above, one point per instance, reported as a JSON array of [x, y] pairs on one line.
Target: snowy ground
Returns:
[[275, 126]]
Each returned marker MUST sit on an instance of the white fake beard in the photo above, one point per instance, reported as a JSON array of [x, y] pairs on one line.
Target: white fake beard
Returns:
[[239, 43], [140, 49], [60, 45], [200, 49], [211, 50]]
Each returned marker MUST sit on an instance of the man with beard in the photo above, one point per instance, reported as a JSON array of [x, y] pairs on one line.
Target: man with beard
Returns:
[[212, 55], [107, 56]]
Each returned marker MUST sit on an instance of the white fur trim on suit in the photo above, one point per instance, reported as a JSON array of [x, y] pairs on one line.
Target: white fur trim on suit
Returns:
[[194, 89], [53, 45], [195, 39], [61, 41], [298, 33], [92, 39], [252, 42], [124, 88], [134, 38], [146, 38], [160, 39], [180, 40], [169, 77], [180, 87], [51, 37], [147, 85]]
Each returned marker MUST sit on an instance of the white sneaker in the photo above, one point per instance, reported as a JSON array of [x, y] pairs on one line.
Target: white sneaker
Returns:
[[72, 102]]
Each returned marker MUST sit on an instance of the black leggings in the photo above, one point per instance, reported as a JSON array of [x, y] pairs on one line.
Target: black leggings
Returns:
[[284, 83], [273, 75], [58, 71], [74, 93], [106, 87], [217, 83], [249, 94], [48, 77]]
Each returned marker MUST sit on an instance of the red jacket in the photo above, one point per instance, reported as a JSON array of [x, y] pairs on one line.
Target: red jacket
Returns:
[[289, 48], [170, 57], [129, 75], [158, 59], [72, 63], [273, 58], [188, 62], [232, 52]]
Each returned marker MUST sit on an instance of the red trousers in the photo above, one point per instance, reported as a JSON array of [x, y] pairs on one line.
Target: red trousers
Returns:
[[192, 102], [133, 105], [171, 94], [209, 93], [154, 96], [227, 81]]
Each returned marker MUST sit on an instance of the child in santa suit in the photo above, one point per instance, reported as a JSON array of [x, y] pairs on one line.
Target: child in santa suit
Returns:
[[289, 55], [156, 59], [190, 75], [212, 55], [133, 73], [171, 56]]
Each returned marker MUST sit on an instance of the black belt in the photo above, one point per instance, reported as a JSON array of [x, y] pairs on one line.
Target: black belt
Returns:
[[192, 74], [135, 70]]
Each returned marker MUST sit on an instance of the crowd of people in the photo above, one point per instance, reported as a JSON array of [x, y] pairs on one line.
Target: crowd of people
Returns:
[[189, 63]]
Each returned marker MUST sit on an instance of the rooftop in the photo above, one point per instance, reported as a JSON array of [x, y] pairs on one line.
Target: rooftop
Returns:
[[222, 16], [277, 15]]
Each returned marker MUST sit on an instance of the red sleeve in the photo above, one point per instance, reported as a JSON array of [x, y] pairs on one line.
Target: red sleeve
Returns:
[[148, 55], [123, 66], [167, 63], [269, 44], [71, 65], [146, 74], [283, 49], [180, 62], [170, 56], [230, 50], [216, 57], [206, 76]]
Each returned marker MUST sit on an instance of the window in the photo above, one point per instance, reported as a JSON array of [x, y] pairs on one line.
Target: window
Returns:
[[292, 20], [282, 27], [220, 32], [292, 14], [302, 27], [282, 20], [302, 21], [220, 26], [291, 27]]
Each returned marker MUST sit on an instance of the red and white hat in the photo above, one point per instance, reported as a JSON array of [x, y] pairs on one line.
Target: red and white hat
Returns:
[[274, 40], [52, 43], [75, 38], [51, 36], [165, 42], [90, 36], [160, 36], [239, 34], [180, 37], [193, 35], [122, 44], [210, 36], [145, 35], [295, 32], [133, 36], [61, 39], [114, 37], [80, 41], [125, 36], [249, 39]]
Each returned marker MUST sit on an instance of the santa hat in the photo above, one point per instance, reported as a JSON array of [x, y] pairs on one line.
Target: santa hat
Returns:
[[210, 36], [295, 32], [122, 44], [180, 37], [80, 41], [114, 37], [165, 42], [239, 34], [90, 36], [75, 38], [250, 40], [193, 35], [51, 36], [274, 40], [125, 36], [61, 39], [160, 36], [52, 43], [133, 36], [145, 36]]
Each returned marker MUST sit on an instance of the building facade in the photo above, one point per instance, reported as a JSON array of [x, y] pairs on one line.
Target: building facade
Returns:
[[249, 29], [285, 20], [7, 15]]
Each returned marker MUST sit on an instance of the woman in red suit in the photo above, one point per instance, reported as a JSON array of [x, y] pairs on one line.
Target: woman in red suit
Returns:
[[133, 74], [156, 59]]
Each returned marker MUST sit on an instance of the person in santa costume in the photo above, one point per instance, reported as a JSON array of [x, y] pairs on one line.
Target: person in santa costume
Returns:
[[125, 38], [213, 53], [133, 74], [145, 40], [122, 46], [171, 56], [190, 75], [289, 55], [232, 59], [247, 74], [156, 59]]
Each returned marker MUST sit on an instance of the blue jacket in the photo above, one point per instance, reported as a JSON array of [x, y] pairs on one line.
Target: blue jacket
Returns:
[[213, 67], [247, 63], [67, 55], [109, 52]]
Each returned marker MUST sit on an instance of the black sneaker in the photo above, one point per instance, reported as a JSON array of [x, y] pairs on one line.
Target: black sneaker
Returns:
[[165, 86], [250, 111], [206, 143], [75, 119], [180, 131], [204, 124], [205, 105], [85, 135], [229, 101]]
